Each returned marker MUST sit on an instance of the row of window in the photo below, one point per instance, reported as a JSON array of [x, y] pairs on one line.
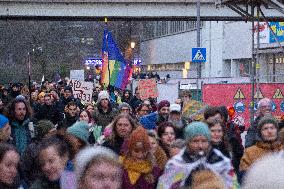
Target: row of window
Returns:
[[163, 28]]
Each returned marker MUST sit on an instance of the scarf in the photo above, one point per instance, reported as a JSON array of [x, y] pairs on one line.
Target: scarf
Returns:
[[135, 168]]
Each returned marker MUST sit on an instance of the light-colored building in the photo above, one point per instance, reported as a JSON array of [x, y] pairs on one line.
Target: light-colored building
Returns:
[[166, 46]]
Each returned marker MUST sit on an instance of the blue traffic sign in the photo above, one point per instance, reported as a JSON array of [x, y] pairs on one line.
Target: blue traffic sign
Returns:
[[198, 55]]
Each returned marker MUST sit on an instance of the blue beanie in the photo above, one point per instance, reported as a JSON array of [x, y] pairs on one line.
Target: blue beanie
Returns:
[[197, 128], [3, 121], [149, 121], [80, 130]]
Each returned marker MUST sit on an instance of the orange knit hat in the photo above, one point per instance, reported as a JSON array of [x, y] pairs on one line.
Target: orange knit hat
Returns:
[[139, 135]]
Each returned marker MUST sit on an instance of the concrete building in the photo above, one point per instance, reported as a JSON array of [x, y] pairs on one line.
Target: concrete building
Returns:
[[166, 46]]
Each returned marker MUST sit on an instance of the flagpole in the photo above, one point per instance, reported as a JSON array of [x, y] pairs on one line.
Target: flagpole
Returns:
[[106, 26], [29, 70]]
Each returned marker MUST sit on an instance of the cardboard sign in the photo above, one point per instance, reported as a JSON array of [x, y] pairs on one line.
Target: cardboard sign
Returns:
[[239, 97], [82, 90], [147, 88], [77, 75]]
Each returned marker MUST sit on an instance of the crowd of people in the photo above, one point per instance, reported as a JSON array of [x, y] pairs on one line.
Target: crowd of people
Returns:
[[50, 139]]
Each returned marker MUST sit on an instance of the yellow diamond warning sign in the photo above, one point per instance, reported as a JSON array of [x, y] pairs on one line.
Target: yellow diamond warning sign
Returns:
[[278, 94], [239, 94]]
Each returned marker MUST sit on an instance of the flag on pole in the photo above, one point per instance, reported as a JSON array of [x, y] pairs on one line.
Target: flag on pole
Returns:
[[115, 70]]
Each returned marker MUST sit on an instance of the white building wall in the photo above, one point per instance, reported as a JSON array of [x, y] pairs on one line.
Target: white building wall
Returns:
[[237, 40], [223, 41], [169, 49]]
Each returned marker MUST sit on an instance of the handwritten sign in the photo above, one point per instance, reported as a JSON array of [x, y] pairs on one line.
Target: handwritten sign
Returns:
[[82, 90], [147, 88]]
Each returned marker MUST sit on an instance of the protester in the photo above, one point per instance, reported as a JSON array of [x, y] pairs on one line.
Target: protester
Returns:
[[197, 155], [126, 96], [167, 135], [176, 119], [176, 147], [78, 136], [19, 114], [54, 153], [159, 154], [139, 169], [122, 126], [5, 129], [267, 172], [264, 108], [267, 142], [71, 115], [135, 100], [98, 168], [30, 167], [124, 108], [142, 110], [49, 111], [152, 120], [9, 161], [104, 113]]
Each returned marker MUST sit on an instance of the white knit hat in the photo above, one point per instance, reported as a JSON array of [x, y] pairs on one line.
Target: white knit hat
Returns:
[[103, 95], [88, 154]]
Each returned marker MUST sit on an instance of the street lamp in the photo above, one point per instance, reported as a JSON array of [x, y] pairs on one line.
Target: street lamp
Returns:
[[132, 44]]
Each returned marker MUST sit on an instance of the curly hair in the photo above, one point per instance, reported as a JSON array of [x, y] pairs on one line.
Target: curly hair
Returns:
[[10, 109]]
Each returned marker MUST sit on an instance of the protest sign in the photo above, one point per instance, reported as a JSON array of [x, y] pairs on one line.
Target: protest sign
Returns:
[[82, 90], [147, 88]]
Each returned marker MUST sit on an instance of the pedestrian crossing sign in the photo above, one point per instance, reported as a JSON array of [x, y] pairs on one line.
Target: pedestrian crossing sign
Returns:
[[198, 55]]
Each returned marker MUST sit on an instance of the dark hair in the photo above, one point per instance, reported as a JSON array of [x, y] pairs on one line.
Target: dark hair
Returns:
[[140, 106], [4, 148], [10, 109], [162, 127], [224, 112], [60, 143], [225, 139], [71, 103], [88, 113], [212, 111]]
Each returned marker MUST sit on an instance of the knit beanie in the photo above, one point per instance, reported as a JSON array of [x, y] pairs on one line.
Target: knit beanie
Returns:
[[80, 130], [43, 127], [86, 155], [196, 128], [103, 95], [163, 103], [139, 135], [124, 104], [3, 121]]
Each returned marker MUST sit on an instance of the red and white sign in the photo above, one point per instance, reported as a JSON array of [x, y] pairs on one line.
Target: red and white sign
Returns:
[[147, 88], [239, 97]]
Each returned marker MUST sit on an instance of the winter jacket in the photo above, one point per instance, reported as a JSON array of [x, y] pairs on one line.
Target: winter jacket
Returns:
[[103, 118], [68, 121], [179, 168], [257, 151], [115, 145], [21, 135], [251, 136], [160, 157], [49, 112]]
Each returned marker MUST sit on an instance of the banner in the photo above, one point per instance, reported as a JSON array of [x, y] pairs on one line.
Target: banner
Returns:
[[115, 70], [147, 88], [239, 97], [82, 90], [278, 29]]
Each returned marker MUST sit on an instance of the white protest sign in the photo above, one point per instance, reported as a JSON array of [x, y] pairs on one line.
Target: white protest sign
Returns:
[[82, 90], [77, 75]]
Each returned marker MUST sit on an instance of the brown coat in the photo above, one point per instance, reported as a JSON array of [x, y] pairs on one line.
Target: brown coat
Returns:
[[161, 157], [257, 151]]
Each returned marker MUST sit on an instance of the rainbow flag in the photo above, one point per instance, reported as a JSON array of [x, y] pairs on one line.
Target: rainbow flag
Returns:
[[115, 70]]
